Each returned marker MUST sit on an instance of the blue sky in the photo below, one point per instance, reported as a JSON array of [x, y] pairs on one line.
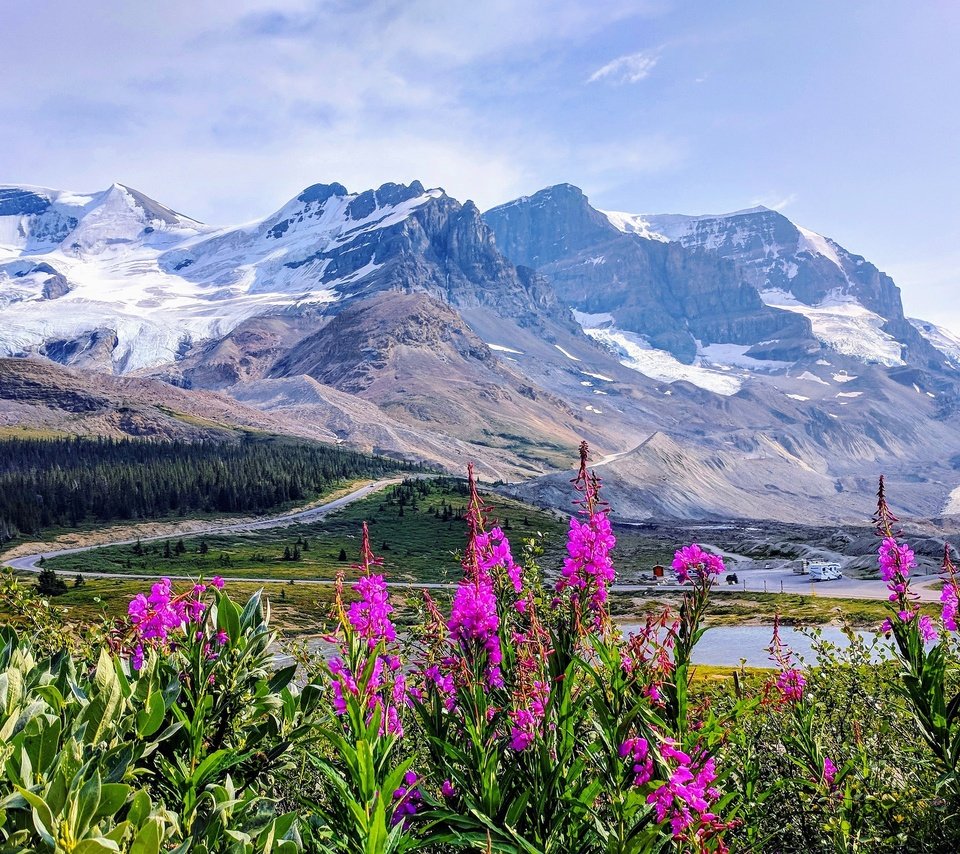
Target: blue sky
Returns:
[[844, 115]]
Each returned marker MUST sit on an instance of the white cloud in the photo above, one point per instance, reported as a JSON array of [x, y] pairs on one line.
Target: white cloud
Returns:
[[775, 201], [626, 69], [225, 110]]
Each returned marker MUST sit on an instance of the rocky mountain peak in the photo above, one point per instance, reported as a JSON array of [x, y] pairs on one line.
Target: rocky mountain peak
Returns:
[[673, 297], [547, 226]]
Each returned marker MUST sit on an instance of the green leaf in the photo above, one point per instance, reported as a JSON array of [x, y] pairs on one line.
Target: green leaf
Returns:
[[112, 797], [282, 678], [147, 841], [42, 817], [228, 617], [150, 718], [97, 846], [140, 807]]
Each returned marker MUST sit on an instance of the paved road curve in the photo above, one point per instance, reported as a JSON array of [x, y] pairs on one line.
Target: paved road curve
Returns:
[[28, 563], [751, 577]]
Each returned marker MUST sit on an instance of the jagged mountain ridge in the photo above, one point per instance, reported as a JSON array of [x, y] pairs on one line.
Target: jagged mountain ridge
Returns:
[[400, 319], [165, 285], [654, 287]]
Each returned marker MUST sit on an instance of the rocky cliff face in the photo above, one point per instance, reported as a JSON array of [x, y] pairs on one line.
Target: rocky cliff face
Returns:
[[672, 295], [778, 257]]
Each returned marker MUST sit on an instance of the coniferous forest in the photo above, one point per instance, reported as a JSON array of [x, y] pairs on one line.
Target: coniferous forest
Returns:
[[67, 482]]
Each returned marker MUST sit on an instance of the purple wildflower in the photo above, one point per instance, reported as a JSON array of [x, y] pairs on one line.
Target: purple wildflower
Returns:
[[588, 570], [406, 800], [637, 753], [829, 771], [791, 683], [686, 796], [895, 560], [370, 617], [693, 562], [928, 631]]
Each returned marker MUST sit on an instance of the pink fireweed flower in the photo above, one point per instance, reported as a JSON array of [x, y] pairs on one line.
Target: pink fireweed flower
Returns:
[[829, 772], [406, 800], [494, 556], [791, 684], [686, 796], [950, 595], [639, 759], [951, 601], [693, 562], [158, 618], [928, 631], [522, 729], [474, 622], [443, 683], [370, 616], [925, 625], [895, 561], [588, 570], [217, 582], [366, 627]]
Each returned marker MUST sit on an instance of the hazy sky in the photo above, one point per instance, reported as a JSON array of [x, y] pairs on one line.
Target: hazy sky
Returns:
[[844, 115]]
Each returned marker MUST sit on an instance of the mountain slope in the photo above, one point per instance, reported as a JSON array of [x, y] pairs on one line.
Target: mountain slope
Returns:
[[852, 306], [773, 369], [654, 288], [37, 394]]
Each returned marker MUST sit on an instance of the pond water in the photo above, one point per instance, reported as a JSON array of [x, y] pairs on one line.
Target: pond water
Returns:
[[726, 645], [723, 646]]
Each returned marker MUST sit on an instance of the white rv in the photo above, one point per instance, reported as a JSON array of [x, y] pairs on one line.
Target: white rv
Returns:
[[820, 570]]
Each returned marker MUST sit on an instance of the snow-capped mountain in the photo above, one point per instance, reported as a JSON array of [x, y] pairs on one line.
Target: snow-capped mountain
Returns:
[[852, 306], [673, 313], [122, 266], [161, 282], [403, 321]]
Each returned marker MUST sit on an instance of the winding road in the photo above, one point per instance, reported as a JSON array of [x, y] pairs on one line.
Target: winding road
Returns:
[[29, 563], [752, 578]]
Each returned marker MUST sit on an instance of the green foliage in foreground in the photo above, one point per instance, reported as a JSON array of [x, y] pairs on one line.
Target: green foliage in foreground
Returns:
[[534, 729]]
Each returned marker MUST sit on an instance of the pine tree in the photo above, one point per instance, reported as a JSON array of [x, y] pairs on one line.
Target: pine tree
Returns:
[[204, 548], [78, 580], [49, 583], [287, 554], [166, 551], [343, 555], [179, 548]]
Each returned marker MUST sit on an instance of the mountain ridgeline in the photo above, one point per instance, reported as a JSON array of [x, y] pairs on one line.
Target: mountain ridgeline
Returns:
[[401, 321]]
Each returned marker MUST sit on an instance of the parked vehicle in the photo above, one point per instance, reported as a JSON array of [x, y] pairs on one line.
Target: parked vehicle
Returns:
[[824, 571]]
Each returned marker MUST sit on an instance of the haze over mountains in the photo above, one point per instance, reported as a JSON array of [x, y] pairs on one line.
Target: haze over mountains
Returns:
[[728, 365]]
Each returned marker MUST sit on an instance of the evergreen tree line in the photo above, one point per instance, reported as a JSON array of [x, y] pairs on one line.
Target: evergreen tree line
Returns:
[[67, 482]]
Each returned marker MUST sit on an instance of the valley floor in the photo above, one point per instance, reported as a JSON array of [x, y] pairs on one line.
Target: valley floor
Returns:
[[420, 543]]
